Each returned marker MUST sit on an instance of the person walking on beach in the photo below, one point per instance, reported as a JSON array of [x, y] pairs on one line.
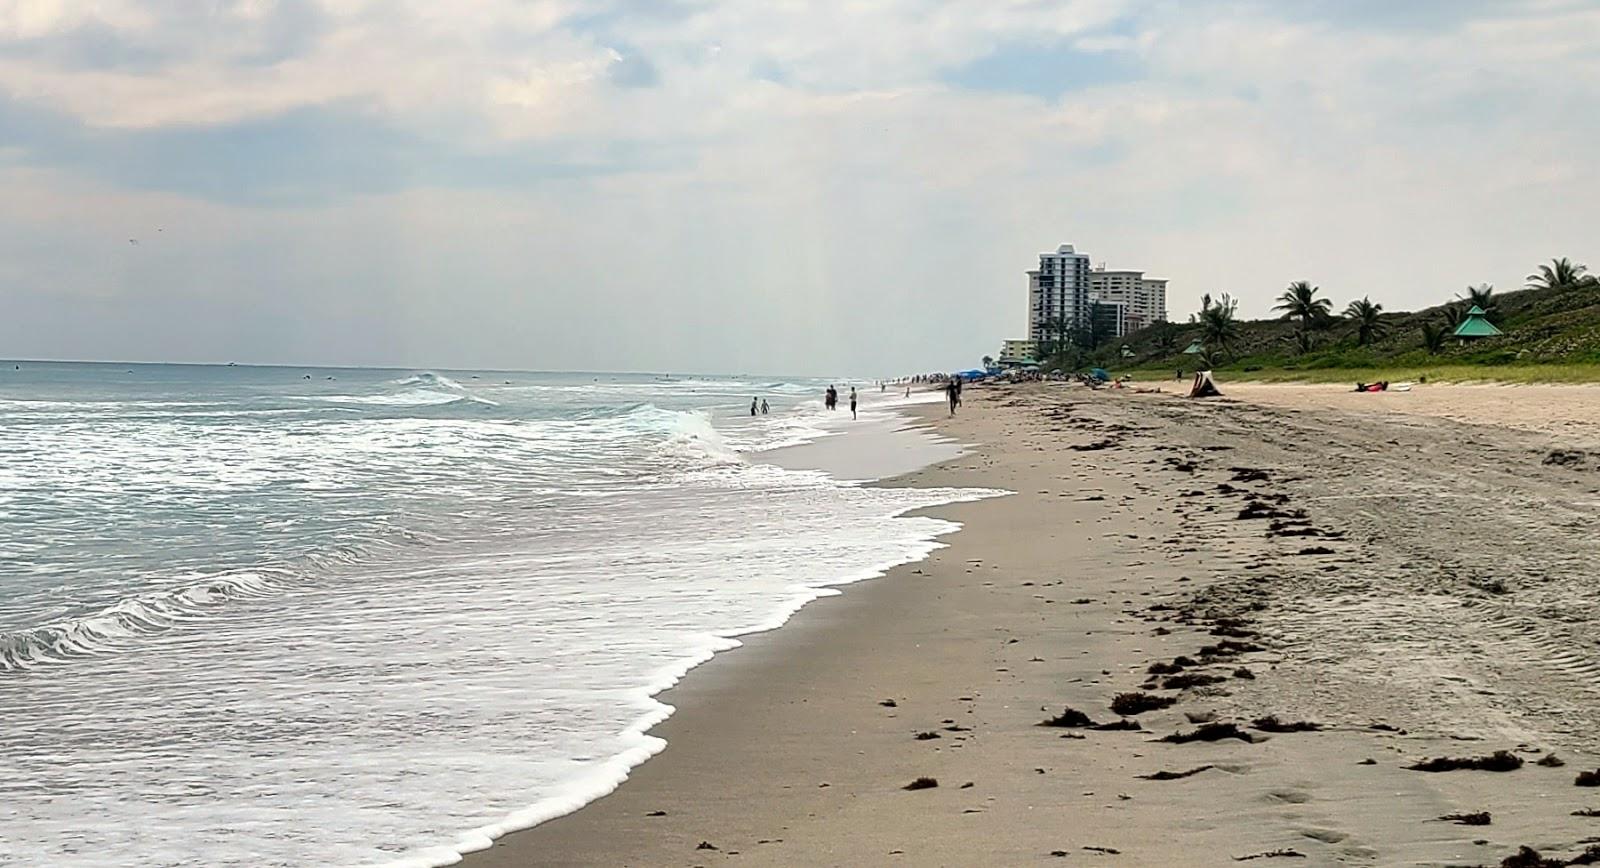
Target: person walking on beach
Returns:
[[763, 406], [852, 402], [952, 393]]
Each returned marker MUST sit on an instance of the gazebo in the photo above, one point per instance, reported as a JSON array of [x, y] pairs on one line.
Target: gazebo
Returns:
[[1476, 325]]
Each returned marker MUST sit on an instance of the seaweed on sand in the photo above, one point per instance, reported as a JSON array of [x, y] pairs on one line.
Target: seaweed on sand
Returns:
[[1130, 704], [1069, 717], [1271, 723], [1173, 776], [1475, 818], [1211, 732], [1228, 648], [923, 783], [1190, 679], [1499, 761]]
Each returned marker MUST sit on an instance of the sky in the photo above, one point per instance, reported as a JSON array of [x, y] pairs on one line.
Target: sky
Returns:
[[852, 187]]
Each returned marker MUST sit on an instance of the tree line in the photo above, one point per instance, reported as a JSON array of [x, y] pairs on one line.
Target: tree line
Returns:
[[1312, 313]]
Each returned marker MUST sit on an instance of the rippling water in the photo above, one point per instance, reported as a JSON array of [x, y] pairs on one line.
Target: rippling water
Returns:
[[269, 616]]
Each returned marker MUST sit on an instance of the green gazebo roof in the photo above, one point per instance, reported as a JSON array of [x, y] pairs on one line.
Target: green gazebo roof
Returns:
[[1195, 348], [1476, 325]]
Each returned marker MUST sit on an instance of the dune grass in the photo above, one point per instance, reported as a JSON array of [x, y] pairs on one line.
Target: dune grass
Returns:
[[1540, 373]]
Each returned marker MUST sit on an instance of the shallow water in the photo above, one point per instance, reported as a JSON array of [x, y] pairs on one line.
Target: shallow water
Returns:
[[270, 616]]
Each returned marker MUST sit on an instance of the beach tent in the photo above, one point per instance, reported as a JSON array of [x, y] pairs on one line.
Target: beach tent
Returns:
[[1204, 386], [1195, 349], [1476, 325]]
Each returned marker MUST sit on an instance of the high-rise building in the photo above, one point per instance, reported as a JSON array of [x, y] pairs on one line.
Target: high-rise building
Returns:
[[1145, 298], [1110, 319], [1058, 294]]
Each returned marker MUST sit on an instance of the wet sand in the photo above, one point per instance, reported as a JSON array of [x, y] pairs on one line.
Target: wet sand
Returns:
[[1414, 586]]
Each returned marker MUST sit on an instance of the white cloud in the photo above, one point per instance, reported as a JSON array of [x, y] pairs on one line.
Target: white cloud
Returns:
[[805, 168]]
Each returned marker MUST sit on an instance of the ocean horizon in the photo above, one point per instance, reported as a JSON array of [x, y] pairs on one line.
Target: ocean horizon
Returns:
[[262, 615]]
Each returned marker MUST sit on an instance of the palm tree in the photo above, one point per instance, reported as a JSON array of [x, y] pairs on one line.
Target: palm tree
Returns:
[[1453, 315], [988, 362], [1433, 336], [1166, 338], [1300, 302], [1562, 273], [1368, 319], [1302, 341], [1218, 327], [1481, 295]]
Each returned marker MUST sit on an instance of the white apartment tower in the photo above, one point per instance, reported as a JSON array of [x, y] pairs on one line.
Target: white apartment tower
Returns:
[[1145, 298], [1058, 290]]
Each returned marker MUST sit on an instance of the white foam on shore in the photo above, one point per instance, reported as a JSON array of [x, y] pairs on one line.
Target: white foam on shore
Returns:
[[641, 746]]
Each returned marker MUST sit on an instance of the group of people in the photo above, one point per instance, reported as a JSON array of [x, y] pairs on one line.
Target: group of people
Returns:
[[762, 406], [830, 399]]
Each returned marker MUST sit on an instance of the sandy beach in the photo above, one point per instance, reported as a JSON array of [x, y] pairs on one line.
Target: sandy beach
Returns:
[[1292, 596]]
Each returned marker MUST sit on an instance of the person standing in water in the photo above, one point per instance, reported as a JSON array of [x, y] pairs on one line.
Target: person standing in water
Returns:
[[752, 406], [763, 406], [852, 402]]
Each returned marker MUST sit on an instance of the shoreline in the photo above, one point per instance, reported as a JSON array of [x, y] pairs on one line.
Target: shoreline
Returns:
[[1119, 550], [877, 450]]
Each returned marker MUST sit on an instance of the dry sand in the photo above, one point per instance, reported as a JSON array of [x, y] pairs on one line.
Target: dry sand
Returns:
[[1416, 585]]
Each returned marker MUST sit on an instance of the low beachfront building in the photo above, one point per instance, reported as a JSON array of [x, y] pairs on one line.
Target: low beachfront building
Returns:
[[1015, 353]]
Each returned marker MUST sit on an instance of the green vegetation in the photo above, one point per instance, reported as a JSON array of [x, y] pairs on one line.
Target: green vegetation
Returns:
[[1552, 334]]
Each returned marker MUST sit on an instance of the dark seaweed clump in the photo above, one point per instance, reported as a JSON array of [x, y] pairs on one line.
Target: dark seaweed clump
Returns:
[[1477, 818], [1271, 723], [1069, 717], [922, 784], [1211, 732], [1588, 779], [1129, 704], [1499, 761], [1527, 857], [1172, 776], [1228, 648], [1190, 679]]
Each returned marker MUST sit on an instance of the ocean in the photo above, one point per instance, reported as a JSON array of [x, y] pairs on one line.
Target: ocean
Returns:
[[279, 616]]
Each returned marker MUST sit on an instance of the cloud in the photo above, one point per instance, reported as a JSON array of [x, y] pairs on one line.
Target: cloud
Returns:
[[1045, 71], [300, 157], [765, 186]]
